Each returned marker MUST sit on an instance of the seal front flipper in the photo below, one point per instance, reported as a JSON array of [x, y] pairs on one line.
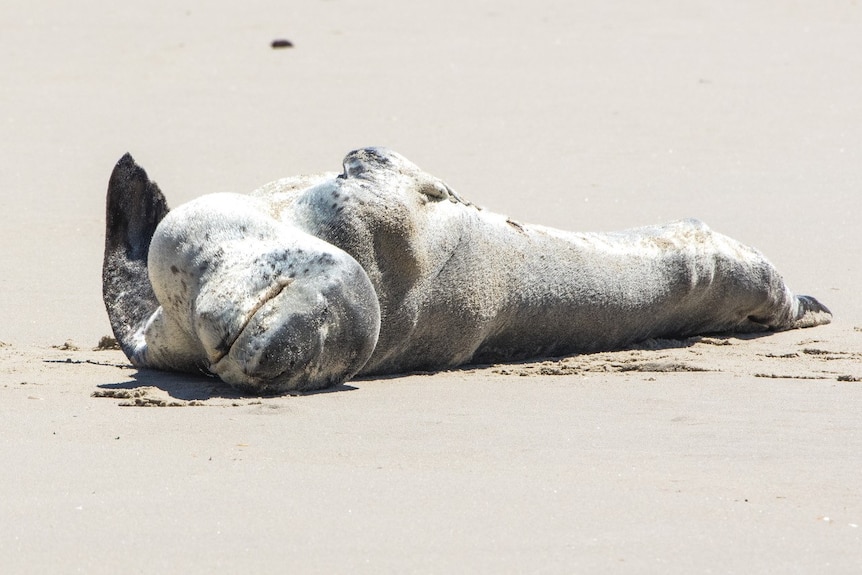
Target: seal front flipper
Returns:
[[135, 206]]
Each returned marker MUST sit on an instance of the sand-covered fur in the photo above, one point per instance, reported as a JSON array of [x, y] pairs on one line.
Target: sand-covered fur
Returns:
[[384, 269]]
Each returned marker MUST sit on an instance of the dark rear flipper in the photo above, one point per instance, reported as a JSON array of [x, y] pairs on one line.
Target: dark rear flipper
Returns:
[[135, 206]]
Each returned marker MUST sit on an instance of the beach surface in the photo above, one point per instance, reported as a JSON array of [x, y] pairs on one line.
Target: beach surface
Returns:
[[715, 454]]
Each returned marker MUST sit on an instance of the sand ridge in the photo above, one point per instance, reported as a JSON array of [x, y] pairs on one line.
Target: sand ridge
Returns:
[[789, 355]]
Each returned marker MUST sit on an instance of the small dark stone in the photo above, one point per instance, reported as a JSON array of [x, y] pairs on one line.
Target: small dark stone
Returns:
[[281, 43]]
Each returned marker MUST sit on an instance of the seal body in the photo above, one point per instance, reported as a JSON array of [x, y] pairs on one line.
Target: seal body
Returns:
[[384, 269]]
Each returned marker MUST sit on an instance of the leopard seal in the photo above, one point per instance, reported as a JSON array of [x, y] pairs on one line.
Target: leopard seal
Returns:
[[383, 269]]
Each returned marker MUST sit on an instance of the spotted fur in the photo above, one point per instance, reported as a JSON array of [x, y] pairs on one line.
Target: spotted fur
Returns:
[[384, 269]]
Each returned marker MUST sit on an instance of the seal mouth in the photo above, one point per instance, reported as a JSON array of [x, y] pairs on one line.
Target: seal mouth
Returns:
[[270, 294]]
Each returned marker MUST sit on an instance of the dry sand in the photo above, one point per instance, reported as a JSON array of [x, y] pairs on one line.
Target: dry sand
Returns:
[[711, 455]]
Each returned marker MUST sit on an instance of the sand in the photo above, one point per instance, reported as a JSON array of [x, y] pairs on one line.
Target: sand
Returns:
[[718, 454]]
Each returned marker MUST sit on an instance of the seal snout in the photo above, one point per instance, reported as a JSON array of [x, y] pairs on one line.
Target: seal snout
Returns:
[[276, 347], [225, 345], [304, 336], [314, 322]]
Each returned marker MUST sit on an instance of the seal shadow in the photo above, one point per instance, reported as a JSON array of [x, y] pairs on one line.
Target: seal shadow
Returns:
[[201, 387], [648, 345], [192, 387]]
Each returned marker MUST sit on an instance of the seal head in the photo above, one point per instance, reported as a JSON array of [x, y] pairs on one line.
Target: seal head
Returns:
[[273, 308]]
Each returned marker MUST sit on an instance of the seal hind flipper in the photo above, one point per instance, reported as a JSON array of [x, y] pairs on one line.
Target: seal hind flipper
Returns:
[[135, 206], [811, 313]]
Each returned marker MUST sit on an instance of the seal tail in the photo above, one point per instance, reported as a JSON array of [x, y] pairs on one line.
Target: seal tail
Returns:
[[810, 313], [135, 206]]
